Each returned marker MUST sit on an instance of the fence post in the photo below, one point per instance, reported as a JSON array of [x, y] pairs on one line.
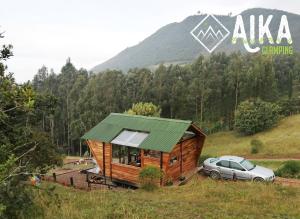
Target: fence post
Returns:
[[54, 177], [80, 148], [87, 177]]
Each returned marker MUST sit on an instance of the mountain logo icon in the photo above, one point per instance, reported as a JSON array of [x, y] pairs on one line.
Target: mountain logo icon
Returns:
[[210, 33]]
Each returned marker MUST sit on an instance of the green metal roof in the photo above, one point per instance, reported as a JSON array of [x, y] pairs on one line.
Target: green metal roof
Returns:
[[163, 133]]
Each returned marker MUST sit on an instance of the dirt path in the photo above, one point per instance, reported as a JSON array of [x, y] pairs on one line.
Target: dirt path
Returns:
[[274, 159], [287, 182], [268, 157]]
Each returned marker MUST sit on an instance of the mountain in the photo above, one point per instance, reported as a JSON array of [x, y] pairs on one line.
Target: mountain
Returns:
[[173, 43]]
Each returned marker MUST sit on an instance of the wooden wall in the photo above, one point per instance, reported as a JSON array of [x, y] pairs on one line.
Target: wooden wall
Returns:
[[108, 159], [96, 148], [125, 172], [188, 153], [151, 161]]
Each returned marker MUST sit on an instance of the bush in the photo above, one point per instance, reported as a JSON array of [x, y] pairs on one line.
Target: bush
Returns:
[[289, 106], [256, 116], [169, 181], [256, 146], [149, 177], [213, 127], [291, 169], [203, 158], [144, 109]]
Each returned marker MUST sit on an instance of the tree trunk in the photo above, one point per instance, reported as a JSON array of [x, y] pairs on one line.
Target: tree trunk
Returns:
[[196, 107], [201, 109], [68, 125], [236, 96], [43, 121], [52, 128]]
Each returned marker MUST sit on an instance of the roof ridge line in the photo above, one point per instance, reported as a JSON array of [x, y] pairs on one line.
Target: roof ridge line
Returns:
[[154, 118]]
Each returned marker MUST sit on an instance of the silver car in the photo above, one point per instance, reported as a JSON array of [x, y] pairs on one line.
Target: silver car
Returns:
[[232, 167]]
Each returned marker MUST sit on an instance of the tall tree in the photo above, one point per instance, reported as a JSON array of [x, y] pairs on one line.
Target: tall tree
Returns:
[[22, 151], [200, 86]]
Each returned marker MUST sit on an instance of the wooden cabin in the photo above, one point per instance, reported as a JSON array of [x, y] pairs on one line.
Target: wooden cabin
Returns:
[[123, 144]]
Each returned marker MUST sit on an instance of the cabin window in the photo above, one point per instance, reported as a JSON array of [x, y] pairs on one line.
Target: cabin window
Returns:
[[130, 138], [152, 153], [126, 155], [173, 160]]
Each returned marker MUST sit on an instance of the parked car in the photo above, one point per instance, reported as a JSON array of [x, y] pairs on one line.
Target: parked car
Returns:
[[233, 167]]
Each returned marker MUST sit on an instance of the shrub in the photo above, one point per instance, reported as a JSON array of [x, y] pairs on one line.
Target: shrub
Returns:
[[213, 127], [169, 181], [290, 169], [144, 109], [256, 116], [289, 106], [203, 158], [256, 146], [149, 177]]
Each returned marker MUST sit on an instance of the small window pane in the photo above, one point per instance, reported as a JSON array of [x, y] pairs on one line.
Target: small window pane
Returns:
[[126, 155], [138, 138], [124, 136], [130, 138], [173, 160]]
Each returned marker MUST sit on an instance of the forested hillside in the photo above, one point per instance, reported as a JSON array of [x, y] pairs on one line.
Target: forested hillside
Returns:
[[207, 91]]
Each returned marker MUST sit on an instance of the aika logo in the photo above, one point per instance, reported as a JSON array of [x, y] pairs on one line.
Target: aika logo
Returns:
[[210, 33]]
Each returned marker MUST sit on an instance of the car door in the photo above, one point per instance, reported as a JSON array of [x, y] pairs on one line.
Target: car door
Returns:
[[239, 171], [224, 169]]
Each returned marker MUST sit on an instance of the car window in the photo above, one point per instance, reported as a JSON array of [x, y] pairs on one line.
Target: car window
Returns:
[[247, 164], [223, 163], [236, 166]]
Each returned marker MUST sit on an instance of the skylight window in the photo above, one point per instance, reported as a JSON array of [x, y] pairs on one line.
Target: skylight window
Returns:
[[130, 138]]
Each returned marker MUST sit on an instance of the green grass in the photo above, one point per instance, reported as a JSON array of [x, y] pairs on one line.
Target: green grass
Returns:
[[201, 198], [272, 164], [280, 141]]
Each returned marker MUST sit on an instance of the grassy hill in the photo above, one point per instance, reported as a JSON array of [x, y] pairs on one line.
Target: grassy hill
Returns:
[[282, 141], [201, 198]]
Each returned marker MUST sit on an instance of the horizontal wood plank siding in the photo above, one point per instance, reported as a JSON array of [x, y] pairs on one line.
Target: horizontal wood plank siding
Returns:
[[125, 172], [191, 149], [190, 154], [151, 161], [173, 171], [108, 154]]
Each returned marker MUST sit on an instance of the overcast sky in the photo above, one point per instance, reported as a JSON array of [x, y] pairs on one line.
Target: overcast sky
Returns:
[[90, 32]]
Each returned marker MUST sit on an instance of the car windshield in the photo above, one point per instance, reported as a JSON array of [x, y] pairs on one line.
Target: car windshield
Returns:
[[247, 164]]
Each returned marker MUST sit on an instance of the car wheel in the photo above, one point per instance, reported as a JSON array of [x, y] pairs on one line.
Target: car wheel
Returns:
[[258, 179], [215, 175]]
